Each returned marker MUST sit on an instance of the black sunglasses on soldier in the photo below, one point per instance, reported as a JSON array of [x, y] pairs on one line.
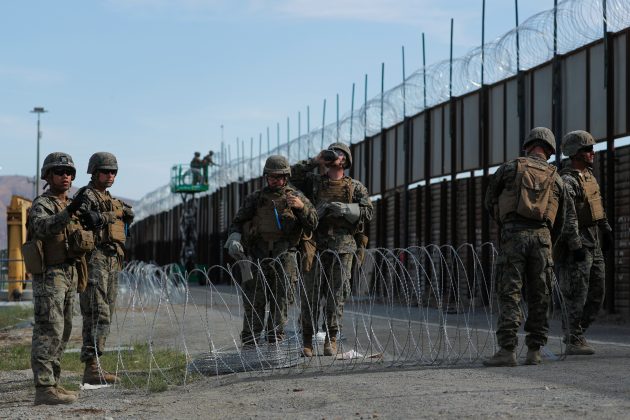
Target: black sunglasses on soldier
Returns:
[[108, 171], [63, 171]]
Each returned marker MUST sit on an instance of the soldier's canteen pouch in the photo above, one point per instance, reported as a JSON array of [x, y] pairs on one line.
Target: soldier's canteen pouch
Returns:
[[33, 254], [79, 242]]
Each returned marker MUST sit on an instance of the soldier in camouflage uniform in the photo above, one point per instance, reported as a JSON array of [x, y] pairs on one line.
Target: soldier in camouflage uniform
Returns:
[[268, 229], [582, 279], [109, 218], [343, 206], [51, 221], [527, 198]]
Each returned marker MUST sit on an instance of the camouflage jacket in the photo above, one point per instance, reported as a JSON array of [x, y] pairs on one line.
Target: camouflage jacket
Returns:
[[306, 217], [588, 234], [565, 225], [304, 178], [98, 201], [45, 219]]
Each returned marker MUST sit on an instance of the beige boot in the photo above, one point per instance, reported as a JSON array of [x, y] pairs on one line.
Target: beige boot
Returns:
[[579, 347], [95, 376], [501, 358], [533, 357], [307, 346], [330, 346], [49, 395], [62, 390]]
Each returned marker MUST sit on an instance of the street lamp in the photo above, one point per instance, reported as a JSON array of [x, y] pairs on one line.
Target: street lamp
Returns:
[[37, 110]]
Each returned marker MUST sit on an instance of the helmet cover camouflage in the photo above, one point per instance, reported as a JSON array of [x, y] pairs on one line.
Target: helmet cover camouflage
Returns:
[[575, 140], [277, 165], [346, 150], [102, 160], [57, 160], [543, 135]]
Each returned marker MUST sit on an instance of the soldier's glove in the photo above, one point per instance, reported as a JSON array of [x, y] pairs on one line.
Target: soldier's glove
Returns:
[[234, 246], [128, 214], [608, 240], [91, 220], [579, 254], [351, 212], [77, 202]]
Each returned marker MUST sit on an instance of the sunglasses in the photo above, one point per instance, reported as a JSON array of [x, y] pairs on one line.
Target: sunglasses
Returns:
[[587, 149], [64, 171], [276, 176], [108, 171]]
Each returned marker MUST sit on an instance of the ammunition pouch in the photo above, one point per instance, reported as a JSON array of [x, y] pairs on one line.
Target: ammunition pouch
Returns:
[[33, 254], [82, 274], [80, 242]]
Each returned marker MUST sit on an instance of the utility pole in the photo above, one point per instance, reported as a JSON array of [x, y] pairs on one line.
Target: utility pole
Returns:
[[37, 110]]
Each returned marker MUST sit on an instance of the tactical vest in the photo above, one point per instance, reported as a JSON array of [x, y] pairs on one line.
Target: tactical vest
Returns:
[[589, 208], [329, 190], [112, 232], [274, 219], [531, 196], [70, 243]]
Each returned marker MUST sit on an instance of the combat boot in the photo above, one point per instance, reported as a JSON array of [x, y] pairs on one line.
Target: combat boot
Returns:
[[95, 376], [330, 346], [307, 346], [65, 391], [533, 357], [501, 358], [579, 347], [50, 395]]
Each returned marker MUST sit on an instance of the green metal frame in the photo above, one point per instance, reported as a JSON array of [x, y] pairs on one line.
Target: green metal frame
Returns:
[[182, 179]]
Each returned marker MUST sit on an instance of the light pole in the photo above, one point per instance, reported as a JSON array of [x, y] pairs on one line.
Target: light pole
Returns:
[[37, 110]]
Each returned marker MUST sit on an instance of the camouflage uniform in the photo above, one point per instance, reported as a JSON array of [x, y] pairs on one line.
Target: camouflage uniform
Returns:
[[98, 301], [525, 253], [582, 282], [335, 234], [275, 251], [53, 293]]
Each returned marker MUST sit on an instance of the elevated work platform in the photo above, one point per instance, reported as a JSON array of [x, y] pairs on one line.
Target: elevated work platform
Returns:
[[185, 179]]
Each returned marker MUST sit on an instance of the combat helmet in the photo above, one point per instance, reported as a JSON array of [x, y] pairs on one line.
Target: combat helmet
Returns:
[[542, 134], [346, 150], [102, 160], [277, 165], [57, 160], [575, 140]]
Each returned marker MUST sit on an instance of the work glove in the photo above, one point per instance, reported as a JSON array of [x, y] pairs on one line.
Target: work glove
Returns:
[[234, 246], [579, 254], [351, 212], [77, 202], [91, 220], [608, 240], [128, 214]]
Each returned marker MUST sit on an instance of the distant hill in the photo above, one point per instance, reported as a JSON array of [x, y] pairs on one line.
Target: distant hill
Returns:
[[11, 185]]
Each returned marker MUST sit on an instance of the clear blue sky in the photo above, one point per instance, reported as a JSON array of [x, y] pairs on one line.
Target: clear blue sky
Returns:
[[153, 80]]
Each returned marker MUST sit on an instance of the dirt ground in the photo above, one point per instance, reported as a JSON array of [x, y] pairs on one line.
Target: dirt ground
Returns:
[[595, 386]]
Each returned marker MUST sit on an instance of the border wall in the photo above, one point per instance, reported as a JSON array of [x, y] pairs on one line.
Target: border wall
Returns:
[[428, 174]]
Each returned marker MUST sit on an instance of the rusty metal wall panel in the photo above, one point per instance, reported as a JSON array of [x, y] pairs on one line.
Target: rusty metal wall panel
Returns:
[[470, 138], [375, 173], [417, 163], [622, 232], [542, 105], [621, 84], [435, 213], [389, 218], [597, 92], [436, 141], [574, 92], [512, 137], [446, 142], [390, 164], [400, 155], [497, 122]]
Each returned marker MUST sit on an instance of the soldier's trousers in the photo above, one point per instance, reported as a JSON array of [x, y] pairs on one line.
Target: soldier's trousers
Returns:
[[583, 287], [524, 258], [98, 302], [53, 301], [329, 280], [273, 285]]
